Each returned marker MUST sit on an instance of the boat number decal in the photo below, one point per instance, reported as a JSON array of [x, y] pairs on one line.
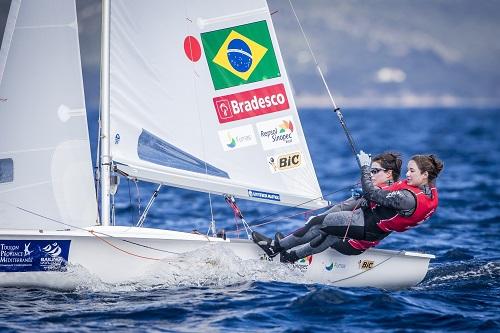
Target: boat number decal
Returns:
[[33, 255]]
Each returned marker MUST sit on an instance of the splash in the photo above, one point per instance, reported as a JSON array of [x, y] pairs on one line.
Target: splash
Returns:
[[209, 266], [217, 266], [463, 272]]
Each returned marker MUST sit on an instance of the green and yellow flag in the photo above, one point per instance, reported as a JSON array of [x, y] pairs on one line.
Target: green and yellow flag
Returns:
[[240, 55]]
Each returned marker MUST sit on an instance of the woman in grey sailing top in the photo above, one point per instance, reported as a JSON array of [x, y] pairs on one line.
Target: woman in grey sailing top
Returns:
[[355, 225]]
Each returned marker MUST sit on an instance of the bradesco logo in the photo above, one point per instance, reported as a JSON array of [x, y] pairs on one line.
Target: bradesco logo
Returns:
[[285, 162], [251, 103], [277, 133]]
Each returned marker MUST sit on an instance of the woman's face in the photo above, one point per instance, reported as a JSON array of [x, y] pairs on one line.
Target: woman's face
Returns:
[[379, 174], [414, 176]]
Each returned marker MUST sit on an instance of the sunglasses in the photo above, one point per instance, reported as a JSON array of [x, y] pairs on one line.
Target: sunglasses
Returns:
[[374, 171]]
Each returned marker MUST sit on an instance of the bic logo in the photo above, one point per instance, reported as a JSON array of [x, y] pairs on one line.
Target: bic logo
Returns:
[[285, 162], [366, 264], [224, 109]]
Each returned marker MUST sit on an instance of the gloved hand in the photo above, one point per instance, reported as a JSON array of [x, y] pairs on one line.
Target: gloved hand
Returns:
[[356, 192], [364, 159]]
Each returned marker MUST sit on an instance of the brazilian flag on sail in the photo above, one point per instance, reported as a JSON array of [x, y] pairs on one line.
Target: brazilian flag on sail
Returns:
[[240, 55]]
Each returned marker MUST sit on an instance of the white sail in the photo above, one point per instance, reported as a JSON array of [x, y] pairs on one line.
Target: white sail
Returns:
[[200, 99], [45, 166]]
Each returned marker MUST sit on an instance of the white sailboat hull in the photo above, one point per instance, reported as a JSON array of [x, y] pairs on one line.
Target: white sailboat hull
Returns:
[[120, 255]]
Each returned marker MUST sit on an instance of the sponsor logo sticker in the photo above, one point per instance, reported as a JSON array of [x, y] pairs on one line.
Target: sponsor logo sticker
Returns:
[[335, 265], [240, 55], [264, 195], [251, 103], [33, 255], [366, 264], [237, 137], [277, 133], [307, 261], [283, 162]]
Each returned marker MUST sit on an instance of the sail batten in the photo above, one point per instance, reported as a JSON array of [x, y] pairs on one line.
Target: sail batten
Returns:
[[200, 99]]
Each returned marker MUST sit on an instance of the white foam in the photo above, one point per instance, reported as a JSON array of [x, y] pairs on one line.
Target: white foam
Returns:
[[210, 266]]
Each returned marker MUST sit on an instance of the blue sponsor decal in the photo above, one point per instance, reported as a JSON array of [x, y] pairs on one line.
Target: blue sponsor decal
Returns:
[[33, 255], [264, 195]]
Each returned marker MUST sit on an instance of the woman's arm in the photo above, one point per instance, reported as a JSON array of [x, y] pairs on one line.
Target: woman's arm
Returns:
[[403, 201]]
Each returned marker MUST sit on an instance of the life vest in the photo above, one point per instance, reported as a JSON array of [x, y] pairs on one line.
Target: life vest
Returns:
[[426, 206], [376, 210], [362, 244]]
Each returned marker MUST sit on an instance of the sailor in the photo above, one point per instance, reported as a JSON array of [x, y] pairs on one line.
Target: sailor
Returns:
[[384, 208]]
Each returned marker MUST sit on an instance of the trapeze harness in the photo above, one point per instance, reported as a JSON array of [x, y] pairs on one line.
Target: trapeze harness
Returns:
[[384, 221]]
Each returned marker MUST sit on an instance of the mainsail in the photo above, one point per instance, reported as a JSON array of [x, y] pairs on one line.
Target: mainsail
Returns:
[[200, 99], [45, 167]]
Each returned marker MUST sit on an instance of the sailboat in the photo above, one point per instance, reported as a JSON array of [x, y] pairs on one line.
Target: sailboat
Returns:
[[194, 96]]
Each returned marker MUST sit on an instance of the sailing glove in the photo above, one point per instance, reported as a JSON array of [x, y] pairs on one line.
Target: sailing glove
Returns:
[[364, 159], [356, 192]]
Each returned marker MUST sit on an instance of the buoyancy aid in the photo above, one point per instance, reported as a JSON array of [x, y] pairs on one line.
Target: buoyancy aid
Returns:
[[426, 206], [376, 212]]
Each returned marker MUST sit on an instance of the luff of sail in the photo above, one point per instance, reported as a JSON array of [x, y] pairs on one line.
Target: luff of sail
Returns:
[[200, 99], [43, 127]]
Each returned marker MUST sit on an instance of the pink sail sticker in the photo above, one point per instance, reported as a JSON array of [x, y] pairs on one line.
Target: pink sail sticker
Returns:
[[251, 103]]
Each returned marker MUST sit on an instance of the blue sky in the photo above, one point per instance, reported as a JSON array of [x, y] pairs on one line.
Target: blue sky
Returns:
[[384, 53]]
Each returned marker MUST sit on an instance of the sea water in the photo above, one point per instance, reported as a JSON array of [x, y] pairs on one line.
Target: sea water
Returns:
[[213, 290]]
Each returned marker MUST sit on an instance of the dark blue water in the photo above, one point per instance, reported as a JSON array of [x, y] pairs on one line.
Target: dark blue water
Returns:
[[461, 292]]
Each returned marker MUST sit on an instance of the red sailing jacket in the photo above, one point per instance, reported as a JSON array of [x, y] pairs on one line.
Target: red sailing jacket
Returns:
[[425, 208]]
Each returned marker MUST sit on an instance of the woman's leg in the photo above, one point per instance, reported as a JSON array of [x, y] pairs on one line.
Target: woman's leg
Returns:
[[318, 235], [345, 224], [302, 235]]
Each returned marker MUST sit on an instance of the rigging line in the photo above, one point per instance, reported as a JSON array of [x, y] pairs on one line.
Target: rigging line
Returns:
[[197, 109], [136, 181], [130, 202], [335, 108], [93, 232], [298, 206], [122, 250], [350, 220]]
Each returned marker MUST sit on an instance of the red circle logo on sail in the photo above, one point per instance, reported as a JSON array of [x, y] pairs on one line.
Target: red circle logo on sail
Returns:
[[192, 48]]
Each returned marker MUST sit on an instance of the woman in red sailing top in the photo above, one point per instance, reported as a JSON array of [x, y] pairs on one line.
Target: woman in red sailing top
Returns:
[[382, 210]]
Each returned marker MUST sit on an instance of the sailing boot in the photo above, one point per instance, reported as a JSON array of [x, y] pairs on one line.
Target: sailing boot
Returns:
[[265, 243], [277, 237], [288, 257]]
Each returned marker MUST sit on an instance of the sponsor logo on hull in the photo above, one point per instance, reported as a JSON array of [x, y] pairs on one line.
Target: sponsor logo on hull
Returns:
[[366, 264], [335, 265], [251, 103], [33, 255]]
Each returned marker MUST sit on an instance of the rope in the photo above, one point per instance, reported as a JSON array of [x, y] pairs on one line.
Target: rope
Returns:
[[95, 232], [350, 221], [119, 249], [282, 218]]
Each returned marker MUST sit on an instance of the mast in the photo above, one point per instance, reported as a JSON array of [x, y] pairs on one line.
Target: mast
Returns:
[[105, 158]]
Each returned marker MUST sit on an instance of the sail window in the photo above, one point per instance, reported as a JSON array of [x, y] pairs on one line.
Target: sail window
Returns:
[[6, 170]]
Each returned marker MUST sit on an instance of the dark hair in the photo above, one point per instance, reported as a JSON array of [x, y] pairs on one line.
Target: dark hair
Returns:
[[390, 161], [430, 163]]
